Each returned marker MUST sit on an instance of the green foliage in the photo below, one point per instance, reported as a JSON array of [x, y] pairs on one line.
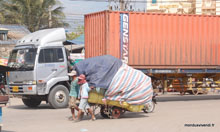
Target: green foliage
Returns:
[[1, 13], [73, 35], [34, 14]]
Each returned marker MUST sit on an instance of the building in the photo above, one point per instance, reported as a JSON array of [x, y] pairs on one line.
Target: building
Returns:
[[3, 34], [208, 7], [202, 7], [9, 35]]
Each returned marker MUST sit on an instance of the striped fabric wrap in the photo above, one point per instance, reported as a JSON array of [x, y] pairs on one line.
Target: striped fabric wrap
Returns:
[[130, 85]]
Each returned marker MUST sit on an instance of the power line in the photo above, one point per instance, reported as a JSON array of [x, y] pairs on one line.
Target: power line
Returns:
[[142, 1], [74, 18], [74, 14]]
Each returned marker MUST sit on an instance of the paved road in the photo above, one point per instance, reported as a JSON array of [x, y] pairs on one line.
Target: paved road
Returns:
[[168, 116], [177, 97]]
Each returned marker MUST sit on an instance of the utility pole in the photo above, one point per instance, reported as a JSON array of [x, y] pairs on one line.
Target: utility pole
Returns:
[[125, 5], [50, 18], [109, 5], [122, 5]]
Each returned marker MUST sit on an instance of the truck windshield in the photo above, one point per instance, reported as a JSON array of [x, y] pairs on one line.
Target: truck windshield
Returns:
[[22, 59]]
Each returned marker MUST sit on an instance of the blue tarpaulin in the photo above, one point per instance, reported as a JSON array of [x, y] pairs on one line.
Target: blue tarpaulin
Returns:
[[100, 70]]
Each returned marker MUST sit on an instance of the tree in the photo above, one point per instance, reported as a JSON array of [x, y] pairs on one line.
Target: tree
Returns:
[[35, 14], [73, 35], [1, 13]]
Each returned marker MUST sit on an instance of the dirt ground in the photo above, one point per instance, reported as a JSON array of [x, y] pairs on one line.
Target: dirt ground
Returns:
[[174, 116]]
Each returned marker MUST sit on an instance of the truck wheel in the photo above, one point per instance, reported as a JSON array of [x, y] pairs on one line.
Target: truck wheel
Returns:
[[31, 102], [58, 97]]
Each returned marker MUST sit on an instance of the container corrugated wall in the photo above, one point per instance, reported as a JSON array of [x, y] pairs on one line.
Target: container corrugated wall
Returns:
[[157, 40], [96, 34]]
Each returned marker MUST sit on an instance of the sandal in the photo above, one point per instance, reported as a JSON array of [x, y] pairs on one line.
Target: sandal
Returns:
[[77, 120], [93, 119], [70, 118], [82, 115]]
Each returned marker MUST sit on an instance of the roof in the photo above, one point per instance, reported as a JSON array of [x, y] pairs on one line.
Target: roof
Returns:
[[44, 37], [15, 31], [78, 40], [13, 42], [4, 29], [74, 47]]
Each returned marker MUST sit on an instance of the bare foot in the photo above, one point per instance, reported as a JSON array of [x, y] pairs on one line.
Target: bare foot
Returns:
[[104, 101]]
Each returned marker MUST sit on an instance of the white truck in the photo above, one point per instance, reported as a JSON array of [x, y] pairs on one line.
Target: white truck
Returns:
[[42, 69]]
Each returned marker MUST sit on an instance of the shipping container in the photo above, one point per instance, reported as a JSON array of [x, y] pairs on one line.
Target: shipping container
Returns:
[[161, 45]]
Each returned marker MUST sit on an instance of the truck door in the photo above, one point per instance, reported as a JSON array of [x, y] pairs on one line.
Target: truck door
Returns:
[[51, 66]]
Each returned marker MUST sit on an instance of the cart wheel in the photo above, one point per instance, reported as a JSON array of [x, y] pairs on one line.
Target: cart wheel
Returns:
[[189, 91], [116, 112], [102, 112], [205, 92], [195, 92], [182, 92], [150, 108]]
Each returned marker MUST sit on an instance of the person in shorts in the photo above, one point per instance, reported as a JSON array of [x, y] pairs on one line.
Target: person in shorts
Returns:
[[84, 94], [73, 95]]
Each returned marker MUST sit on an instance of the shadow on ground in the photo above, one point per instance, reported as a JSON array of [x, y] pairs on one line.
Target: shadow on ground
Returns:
[[7, 131], [23, 107], [134, 115], [126, 115]]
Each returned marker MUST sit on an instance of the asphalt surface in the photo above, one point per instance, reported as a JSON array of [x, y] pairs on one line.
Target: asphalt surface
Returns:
[[177, 115], [177, 97]]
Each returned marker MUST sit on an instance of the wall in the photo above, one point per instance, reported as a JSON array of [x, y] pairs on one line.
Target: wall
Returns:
[[170, 6], [206, 7]]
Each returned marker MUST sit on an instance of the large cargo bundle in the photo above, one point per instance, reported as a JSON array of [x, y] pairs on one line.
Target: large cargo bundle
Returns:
[[180, 51], [123, 83]]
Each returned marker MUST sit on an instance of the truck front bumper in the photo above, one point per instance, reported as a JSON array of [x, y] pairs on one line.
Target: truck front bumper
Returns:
[[21, 89]]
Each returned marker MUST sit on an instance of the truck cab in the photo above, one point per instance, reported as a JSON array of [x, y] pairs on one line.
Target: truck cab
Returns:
[[41, 71]]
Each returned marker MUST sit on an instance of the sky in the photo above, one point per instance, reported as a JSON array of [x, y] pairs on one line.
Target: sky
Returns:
[[75, 10], [83, 7]]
